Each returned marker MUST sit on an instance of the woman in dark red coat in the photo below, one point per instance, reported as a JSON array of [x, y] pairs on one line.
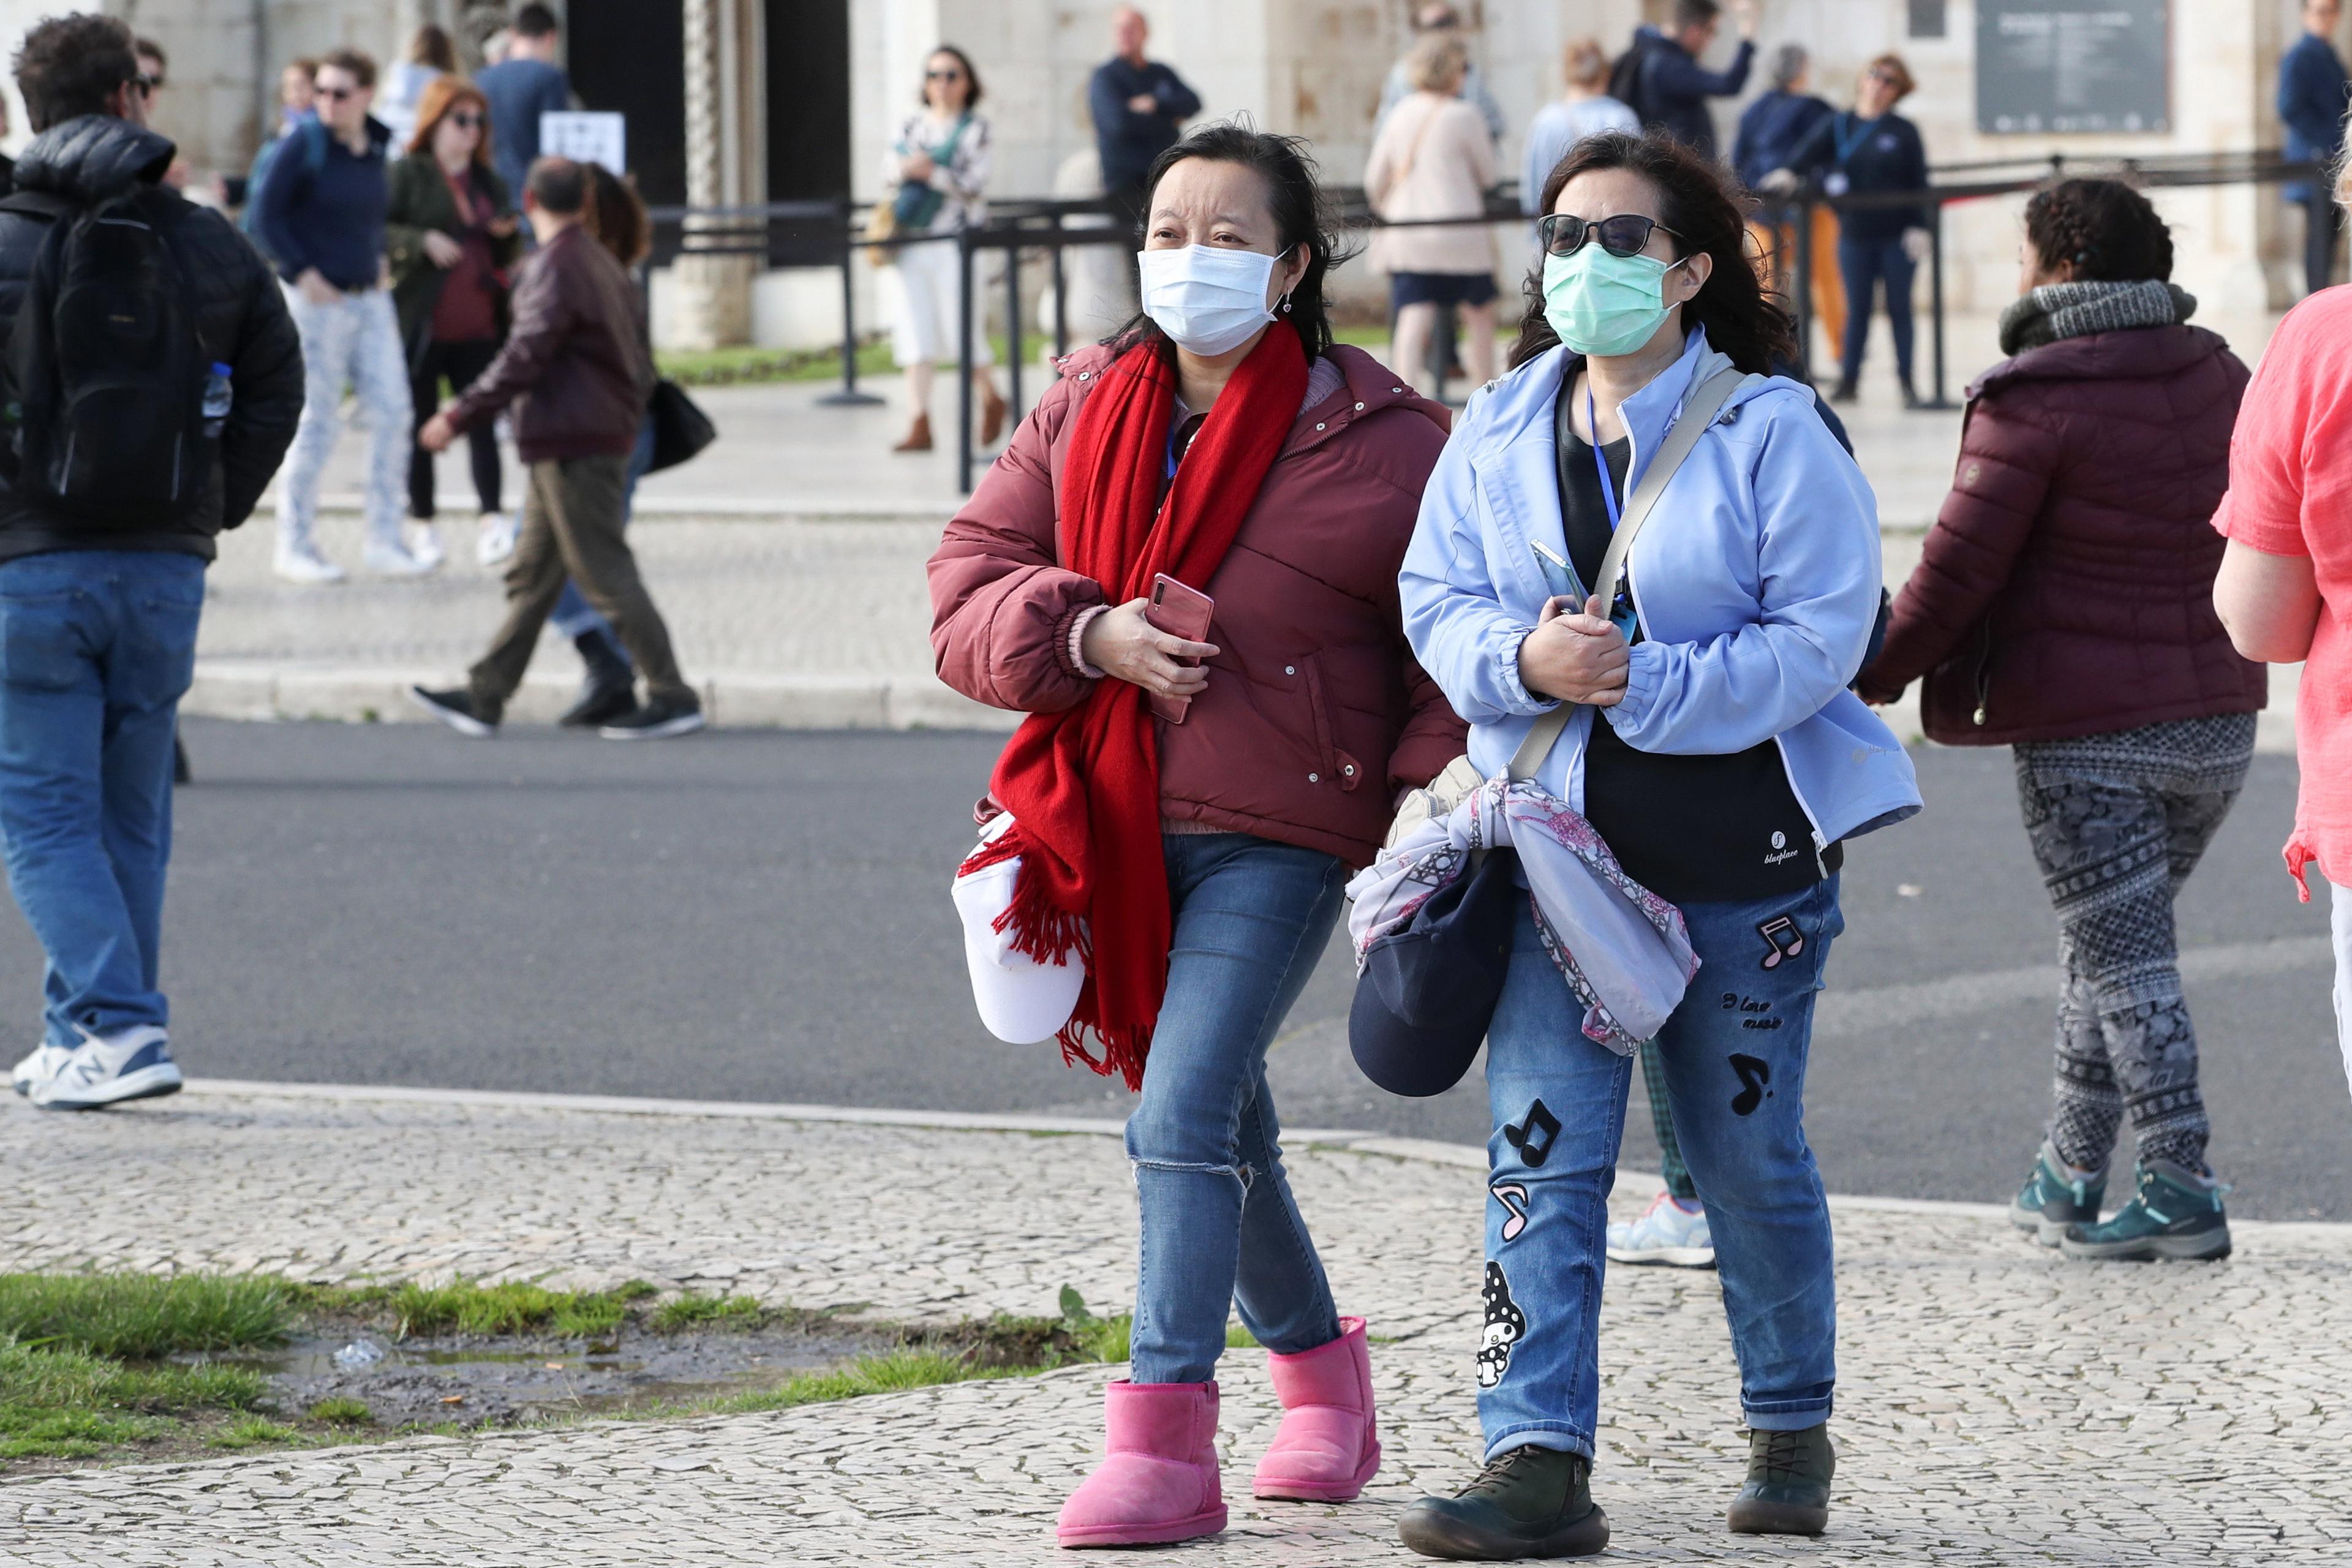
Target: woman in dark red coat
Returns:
[[2064, 605]]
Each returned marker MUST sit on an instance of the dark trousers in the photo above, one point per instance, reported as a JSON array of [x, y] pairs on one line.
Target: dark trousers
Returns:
[[2322, 221], [458, 363], [571, 526], [1865, 264]]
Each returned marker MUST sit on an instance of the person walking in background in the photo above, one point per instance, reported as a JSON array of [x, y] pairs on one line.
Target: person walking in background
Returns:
[[1661, 78], [450, 233], [320, 212], [2314, 93], [98, 605], [1584, 110], [1398, 86], [2284, 588], [1772, 131], [1139, 105], [576, 370], [938, 177], [432, 55], [1226, 442], [524, 84], [2063, 605], [1435, 160], [1870, 149], [297, 100]]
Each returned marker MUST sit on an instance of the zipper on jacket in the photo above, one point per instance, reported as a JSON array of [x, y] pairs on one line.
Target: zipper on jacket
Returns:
[[1821, 844]]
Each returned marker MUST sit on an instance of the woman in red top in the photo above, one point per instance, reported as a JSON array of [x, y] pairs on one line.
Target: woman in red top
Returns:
[[450, 233], [1196, 868]]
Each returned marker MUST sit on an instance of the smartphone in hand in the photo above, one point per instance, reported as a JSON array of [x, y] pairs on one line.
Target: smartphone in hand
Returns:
[[1179, 612]]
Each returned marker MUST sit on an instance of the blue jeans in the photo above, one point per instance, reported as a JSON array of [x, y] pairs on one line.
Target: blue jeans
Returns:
[[1865, 264], [1734, 1059], [574, 615], [1220, 1226], [97, 647]]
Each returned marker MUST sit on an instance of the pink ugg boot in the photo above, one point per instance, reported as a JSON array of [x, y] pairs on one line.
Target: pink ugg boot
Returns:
[[1158, 1481], [1328, 1444]]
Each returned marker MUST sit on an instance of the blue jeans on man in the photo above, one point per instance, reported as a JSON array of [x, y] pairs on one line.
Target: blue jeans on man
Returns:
[[97, 647], [1219, 1227], [1734, 1057]]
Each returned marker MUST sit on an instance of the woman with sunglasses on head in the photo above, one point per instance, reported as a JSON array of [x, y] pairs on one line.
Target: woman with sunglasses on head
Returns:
[[938, 170], [1713, 745], [450, 233], [1194, 860], [1870, 149]]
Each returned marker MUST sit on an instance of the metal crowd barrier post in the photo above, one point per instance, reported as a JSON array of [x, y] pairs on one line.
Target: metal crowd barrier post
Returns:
[[967, 300], [848, 396]]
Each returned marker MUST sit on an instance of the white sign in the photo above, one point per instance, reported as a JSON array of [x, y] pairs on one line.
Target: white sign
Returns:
[[586, 137]]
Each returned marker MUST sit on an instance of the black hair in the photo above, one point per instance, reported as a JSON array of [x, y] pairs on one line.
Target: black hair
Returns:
[[534, 21], [69, 66], [1706, 213], [558, 185], [1695, 13], [1302, 216], [970, 77], [2108, 231]]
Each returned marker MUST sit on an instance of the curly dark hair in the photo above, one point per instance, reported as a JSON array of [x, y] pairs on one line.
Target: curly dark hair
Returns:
[[1302, 216], [70, 65], [2108, 231], [1697, 200]]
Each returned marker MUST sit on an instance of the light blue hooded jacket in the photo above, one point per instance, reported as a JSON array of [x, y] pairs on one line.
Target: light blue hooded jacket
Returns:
[[1756, 580]]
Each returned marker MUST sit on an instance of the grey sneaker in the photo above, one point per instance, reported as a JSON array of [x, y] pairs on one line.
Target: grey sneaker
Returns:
[[2173, 1214], [1788, 1489], [2050, 1202]]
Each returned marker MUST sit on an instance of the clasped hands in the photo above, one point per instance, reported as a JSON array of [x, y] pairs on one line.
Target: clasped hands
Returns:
[[1575, 656]]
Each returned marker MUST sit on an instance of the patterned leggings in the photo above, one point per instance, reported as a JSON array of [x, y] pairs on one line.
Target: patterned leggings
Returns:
[[2117, 822]]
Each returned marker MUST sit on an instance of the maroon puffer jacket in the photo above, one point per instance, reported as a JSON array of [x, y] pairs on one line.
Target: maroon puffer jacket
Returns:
[[1314, 713], [2067, 586]]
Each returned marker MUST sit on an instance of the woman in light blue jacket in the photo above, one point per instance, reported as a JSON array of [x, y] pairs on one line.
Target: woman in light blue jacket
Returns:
[[1714, 748]]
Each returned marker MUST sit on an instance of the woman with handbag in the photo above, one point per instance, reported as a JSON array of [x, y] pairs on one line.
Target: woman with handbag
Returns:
[[1195, 862], [1713, 745], [938, 170], [1433, 159], [450, 233]]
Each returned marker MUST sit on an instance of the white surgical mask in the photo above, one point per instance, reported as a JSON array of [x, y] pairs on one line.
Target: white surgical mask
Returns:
[[1207, 299]]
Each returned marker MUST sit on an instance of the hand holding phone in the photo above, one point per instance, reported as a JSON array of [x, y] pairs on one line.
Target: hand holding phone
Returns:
[[1180, 612]]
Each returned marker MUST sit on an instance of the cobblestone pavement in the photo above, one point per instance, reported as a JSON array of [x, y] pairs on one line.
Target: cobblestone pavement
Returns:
[[1997, 1405]]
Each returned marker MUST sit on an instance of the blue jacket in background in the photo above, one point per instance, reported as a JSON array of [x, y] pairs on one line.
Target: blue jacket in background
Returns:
[[1756, 583], [1127, 142], [518, 92], [1770, 132], [1669, 89], [2312, 92], [1875, 156], [320, 205]]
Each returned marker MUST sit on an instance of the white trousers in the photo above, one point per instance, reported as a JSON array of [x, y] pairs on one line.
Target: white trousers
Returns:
[[931, 308], [354, 342]]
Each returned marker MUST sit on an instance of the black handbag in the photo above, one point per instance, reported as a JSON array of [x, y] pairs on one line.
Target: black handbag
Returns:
[[680, 428]]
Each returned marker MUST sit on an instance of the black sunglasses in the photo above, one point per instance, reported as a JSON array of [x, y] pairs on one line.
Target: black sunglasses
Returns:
[[337, 93], [465, 122], [948, 75], [1627, 234]]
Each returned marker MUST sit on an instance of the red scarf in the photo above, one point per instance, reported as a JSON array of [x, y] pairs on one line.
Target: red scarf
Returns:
[[1083, 785]]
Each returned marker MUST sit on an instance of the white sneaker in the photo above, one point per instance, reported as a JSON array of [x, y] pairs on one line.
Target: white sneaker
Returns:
[[495, 546], [393, 560], [36, 1067], [1668, 1233], [301, 563], [425, 543], [133, 1065]]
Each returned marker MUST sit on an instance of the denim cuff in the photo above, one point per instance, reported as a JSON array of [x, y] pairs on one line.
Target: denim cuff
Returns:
[[1786, 1415], [1541, 1435]]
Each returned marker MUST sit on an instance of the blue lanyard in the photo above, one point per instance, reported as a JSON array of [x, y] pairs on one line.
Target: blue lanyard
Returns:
[[1608, 490], [1847, 146]]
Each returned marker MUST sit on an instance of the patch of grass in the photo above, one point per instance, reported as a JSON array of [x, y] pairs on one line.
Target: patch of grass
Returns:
[[60, 1377], [893, 1372], [67, 1434], [465, 1307], [342, 1411], [697, 1311], [144, 1317], [255, 1432]]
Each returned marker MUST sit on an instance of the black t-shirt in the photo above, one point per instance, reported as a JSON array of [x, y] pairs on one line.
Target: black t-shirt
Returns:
[[1692, 829]]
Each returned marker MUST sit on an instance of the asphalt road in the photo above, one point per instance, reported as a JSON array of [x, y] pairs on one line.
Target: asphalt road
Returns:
[[763, 916]]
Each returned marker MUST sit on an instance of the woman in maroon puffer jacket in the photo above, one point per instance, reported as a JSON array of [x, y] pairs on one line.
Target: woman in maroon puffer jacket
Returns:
[[1197, 868], [2064, 605]]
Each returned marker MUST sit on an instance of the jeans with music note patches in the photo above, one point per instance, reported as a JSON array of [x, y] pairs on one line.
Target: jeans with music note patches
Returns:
[[1733, 1059]]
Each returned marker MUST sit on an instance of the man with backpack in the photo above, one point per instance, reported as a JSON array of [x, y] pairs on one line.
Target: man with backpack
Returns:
[[151, 383], [1661, 79]]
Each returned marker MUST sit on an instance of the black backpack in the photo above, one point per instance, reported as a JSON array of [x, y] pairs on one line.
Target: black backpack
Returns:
[[1628, 80], [106, 367]]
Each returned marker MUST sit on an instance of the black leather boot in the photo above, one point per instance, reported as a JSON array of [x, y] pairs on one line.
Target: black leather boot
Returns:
[[610, 692]]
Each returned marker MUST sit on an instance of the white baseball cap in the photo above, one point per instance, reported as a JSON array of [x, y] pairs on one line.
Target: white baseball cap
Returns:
[[1021, 1001]]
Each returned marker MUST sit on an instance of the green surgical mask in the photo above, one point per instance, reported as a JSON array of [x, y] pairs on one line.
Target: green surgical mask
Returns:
[[1604, 304]]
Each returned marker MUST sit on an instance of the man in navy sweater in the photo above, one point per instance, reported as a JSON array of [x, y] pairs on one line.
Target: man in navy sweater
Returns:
[[1661, 78], [320, 215], [1139, 107], [2312, 93], [520, 87]]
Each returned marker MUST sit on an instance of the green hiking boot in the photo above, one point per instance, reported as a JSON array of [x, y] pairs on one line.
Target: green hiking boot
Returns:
[[1788, 1489], [2050, 1200], [2173, 1214], [1529, 1502]]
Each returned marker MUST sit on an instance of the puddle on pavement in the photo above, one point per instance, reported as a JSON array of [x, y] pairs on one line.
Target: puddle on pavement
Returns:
[[498, 1381]]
